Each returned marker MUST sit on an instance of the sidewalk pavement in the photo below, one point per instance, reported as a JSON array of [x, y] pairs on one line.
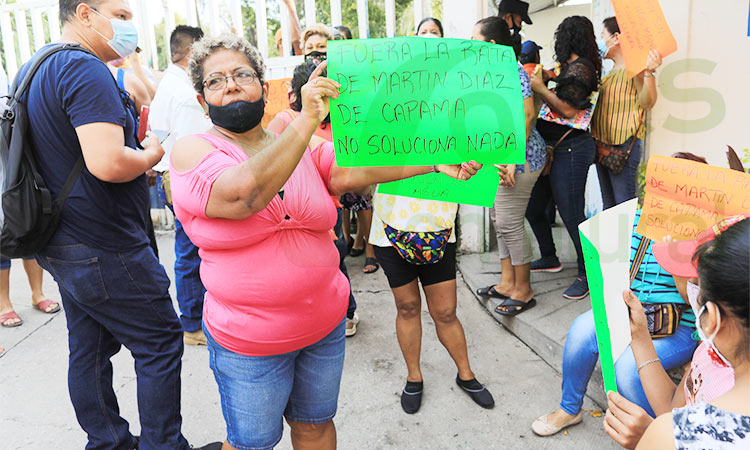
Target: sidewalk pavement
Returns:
[[36, 414]]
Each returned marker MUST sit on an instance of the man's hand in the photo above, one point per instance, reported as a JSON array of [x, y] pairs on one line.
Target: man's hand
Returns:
[[152, 147], [625, 422]]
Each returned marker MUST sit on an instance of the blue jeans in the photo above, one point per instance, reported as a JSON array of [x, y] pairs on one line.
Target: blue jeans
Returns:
[[343, 251], [256, 391], [619, 188], [188, 284], [115, 299], [566, 184], [581, 353]]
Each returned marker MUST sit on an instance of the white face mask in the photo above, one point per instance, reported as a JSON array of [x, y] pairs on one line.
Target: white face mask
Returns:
[[692, 292]]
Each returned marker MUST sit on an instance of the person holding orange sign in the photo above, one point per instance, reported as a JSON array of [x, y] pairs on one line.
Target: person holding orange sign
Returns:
[[618, 124]]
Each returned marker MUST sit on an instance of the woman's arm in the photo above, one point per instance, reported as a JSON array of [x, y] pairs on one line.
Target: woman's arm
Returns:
[[135, 63], [659, 435], [559, 106], [656, 382], [530, 113], [355, 179], [645, 82], [243, 190]]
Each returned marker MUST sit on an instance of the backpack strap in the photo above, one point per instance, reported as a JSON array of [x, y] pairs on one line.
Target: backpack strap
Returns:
[[19, 86], [635, 266]]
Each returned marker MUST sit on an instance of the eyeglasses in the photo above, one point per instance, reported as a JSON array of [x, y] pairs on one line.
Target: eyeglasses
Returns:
[[242, 78]]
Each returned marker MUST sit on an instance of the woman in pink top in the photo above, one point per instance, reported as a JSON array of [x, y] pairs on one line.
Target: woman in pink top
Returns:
[[258, 207]]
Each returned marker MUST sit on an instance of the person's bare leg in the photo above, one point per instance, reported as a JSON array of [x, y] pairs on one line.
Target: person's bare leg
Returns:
[[507, 278], [313, 436], [522, 290], [362, 228], [441, 302], [409, 327], [365, 218], [5, 305], [346, 225], [35, 274]]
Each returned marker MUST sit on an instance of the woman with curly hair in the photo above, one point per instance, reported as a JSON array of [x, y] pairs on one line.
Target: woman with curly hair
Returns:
[[563, 123]]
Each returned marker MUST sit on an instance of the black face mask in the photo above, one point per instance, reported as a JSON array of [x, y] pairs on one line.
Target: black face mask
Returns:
[[238, 117], [516, 29], [316, 57]]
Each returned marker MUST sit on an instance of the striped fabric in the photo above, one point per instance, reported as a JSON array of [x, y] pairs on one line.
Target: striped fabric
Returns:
[[618, 113]]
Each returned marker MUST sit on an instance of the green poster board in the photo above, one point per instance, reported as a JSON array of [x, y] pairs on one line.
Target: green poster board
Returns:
[[415, 101], [479, 190]]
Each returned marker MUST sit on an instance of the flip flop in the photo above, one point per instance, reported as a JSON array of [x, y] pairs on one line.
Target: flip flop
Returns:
[[509, 303], [10, 315], [371, 262], [490, 291], [44, 304]]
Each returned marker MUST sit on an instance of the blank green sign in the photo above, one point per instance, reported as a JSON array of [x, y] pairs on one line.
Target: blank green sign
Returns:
[[480, 190], [413, 101]]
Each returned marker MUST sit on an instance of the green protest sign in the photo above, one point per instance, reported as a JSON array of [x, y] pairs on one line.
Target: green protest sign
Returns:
[[414, 101], [479, 190]]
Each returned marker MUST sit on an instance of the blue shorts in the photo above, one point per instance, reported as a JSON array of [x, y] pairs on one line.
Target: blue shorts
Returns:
[[5, 263], [257, 391]]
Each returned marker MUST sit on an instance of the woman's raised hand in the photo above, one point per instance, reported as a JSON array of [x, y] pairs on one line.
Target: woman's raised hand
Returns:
[[316, 93], [462, 172]]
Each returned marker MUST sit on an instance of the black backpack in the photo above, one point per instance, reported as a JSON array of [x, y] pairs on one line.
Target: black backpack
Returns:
[[30, 213]]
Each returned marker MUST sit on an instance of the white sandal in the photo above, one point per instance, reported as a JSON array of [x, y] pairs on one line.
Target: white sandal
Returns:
[[543, 428]]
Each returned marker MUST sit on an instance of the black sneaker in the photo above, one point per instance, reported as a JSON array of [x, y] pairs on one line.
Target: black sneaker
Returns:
[[411, 397], [546, 264], [578, 290], [477, 392]]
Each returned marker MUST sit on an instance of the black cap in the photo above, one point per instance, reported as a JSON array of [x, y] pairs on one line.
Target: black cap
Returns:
[[515, 7]]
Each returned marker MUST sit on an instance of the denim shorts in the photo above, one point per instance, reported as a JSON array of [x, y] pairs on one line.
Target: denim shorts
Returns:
[[257, 391]]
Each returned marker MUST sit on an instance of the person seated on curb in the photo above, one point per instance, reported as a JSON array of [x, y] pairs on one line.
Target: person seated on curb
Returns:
[[652, 285], [720, 299]]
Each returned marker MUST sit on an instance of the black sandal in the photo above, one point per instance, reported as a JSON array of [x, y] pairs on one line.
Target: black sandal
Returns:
[[370, 262], [356, 251], [490, 291], [510, 303]]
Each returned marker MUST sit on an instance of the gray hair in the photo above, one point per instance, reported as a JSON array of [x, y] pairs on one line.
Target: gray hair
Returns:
[[208, 45]]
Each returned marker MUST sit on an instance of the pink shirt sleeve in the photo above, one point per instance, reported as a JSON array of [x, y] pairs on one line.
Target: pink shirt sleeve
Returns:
[[190, 190], [324, 156]]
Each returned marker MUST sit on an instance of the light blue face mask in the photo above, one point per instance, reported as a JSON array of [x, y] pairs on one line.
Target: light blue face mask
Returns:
[[603, 49], [125, 38]]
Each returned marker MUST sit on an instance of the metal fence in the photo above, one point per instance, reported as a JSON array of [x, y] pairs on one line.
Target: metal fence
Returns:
[[27, 25]]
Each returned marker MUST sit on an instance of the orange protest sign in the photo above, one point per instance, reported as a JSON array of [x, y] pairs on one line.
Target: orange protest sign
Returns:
[[278, 99], [684, 198], [643, 28]]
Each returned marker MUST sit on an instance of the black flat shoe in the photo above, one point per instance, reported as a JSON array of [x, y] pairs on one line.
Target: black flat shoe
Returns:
[[411, 397], [477, 392]]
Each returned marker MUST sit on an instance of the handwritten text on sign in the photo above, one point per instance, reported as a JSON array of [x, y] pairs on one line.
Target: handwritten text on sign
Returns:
[[480, 190], [684, 198], [414, 101], [643, 28]]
